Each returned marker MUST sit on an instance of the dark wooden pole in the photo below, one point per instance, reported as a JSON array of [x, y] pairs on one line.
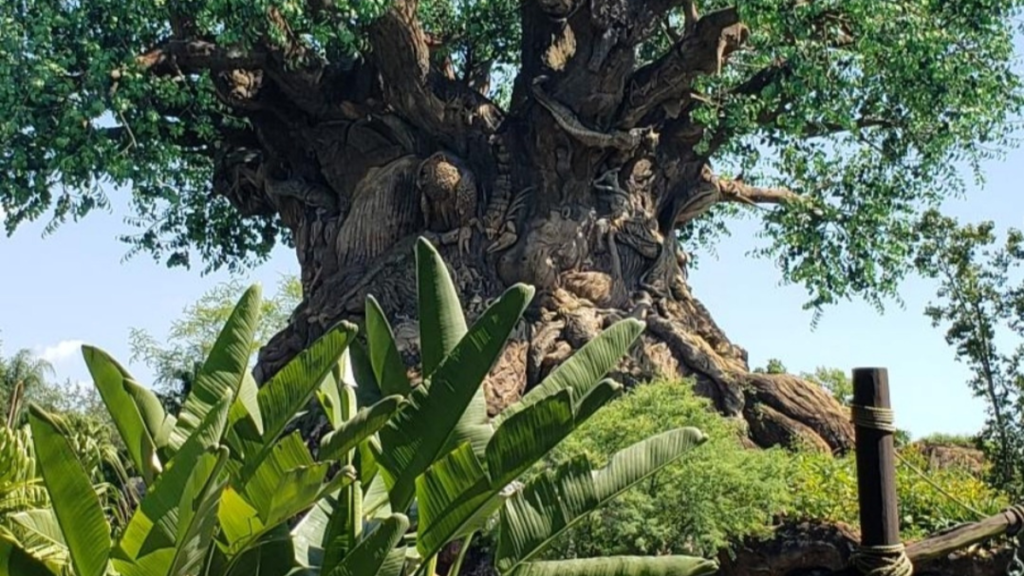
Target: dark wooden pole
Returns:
[[876, 463]]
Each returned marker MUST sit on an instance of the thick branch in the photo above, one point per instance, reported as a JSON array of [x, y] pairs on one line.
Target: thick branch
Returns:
[[186, 56], [671, 76], [737, 191], [400, 51]]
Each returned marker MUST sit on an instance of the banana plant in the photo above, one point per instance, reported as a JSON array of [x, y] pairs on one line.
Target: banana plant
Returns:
[[404, 471]]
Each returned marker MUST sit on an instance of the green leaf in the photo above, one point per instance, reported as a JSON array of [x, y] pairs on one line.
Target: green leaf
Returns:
[[136, 432], [331, 391], [344, 528], [367, 389], [555, 500], [448, 494], [442, 324], [72, 496], [224, 369], [528, 436], [371, 554], [605, 391], [415, 437], [364, 424], [163, 522], [197, 515], [583, 369], [247, 405], [388, 366], [622, 566], [38, 533], [292, 388], [16, 562]]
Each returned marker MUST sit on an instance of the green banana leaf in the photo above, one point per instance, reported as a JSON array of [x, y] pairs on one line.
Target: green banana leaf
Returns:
[[388, 366], [224, 369], [289, 391], [557, 499], [326, 534], [376, 551], [448, 494], [160, 528], [38, 533], [622, 566], [136, 431], [583, 369], [364, 424], [72, 496], [455, 494], [334, 394], [442, 324], [16, 562], [416, 435], [367, 389]]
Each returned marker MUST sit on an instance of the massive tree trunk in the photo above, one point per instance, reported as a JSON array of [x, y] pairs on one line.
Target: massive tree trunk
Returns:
[[578, 189]]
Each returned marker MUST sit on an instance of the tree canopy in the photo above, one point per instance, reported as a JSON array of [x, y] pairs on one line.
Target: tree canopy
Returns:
[[869, 109]]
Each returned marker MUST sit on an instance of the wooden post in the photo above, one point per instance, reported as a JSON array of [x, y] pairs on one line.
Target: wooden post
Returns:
[[876, 463]]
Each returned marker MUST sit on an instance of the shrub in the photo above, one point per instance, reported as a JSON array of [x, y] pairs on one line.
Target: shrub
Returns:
[[725, 491], [721, 491]]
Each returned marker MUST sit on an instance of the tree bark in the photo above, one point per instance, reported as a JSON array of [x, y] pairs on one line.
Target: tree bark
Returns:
[[595, 256], [578, 189]]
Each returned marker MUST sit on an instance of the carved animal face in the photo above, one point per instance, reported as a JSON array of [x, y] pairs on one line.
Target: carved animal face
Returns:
[[438, 177]]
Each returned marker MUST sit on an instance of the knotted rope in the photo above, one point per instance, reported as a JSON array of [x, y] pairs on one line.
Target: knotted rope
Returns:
[[1015, 519], [873, 417], [880, 560], [890, 560]]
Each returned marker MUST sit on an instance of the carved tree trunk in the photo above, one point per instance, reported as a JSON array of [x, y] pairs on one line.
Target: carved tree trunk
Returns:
[[562, 191]]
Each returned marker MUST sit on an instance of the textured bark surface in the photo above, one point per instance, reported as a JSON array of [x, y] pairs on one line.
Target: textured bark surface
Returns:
[[578, 189]]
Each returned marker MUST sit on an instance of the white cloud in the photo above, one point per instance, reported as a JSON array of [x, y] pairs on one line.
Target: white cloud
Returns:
[[60, 351]]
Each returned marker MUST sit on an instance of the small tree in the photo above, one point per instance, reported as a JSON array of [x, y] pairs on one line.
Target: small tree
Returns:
[[978, 299], [191, 337]]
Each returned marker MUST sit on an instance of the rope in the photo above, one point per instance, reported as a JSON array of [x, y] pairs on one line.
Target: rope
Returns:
[[873, 417], [1015, 519], [890, 560]]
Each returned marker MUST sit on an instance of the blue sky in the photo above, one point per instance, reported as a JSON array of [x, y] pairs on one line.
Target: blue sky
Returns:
[[73, 287]]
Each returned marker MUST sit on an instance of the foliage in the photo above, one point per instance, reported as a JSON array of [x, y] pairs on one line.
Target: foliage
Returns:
[[774, 366], [230, 493], [869, 110], [21, 375], [825, 488], [834, 381], [724, 491], [980, 301], [703, 503], [191, 337]]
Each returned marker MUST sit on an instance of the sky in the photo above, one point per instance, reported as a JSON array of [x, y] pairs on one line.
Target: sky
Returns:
[[74, 287]]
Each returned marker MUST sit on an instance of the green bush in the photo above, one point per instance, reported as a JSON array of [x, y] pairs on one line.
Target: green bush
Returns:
[[725, 491], [720, 491], [826, 488]]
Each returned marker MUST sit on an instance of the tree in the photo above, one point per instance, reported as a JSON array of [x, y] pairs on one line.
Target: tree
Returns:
[[576, 146], [190, 338], [834, 381], [980, 300], [21, 376]]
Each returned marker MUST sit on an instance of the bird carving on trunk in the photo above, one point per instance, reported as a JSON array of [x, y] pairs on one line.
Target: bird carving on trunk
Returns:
[[448, 199]]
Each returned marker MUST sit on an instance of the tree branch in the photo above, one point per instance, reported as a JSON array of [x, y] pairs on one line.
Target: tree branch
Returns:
[[714, 37], [737, 191], [401, 53], [189, 56]]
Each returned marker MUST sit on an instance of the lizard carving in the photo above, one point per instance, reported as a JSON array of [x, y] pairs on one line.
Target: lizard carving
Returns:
[[618, 139]]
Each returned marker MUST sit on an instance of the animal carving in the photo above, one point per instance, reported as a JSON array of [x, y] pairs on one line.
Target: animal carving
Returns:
[[448, 199]]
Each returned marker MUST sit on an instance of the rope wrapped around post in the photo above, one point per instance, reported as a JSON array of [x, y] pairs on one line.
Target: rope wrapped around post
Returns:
[[882, 559]]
